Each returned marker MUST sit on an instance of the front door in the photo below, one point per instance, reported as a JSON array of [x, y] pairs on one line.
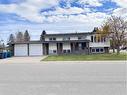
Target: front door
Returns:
[[59, 48]]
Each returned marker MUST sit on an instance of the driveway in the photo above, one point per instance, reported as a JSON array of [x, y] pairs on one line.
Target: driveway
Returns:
[[22, 60]]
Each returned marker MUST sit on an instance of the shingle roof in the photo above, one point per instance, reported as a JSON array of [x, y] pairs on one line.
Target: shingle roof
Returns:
[[66, 34]]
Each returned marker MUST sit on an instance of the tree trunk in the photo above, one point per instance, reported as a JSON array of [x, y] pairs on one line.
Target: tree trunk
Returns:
[[113, 45], [113, 50], [118, 50]]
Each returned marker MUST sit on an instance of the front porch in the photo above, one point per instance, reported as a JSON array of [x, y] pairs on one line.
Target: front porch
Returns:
[[72, 48], [66, 47], [80, 48]]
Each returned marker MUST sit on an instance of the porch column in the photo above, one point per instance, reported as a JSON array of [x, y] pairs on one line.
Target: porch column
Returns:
[[58, 48], [88, 47], [43, 45], [73, 45], [28, 49]]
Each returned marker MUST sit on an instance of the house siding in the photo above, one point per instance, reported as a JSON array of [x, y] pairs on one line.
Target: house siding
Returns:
[[52, 47]]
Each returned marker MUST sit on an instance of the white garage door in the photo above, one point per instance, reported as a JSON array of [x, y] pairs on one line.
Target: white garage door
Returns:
[[21, 50], [35, 49]]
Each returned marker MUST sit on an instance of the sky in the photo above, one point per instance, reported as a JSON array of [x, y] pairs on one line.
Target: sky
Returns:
[[56, 16]]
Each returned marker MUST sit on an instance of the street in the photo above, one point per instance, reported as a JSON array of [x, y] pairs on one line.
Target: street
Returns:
[[63, 79]]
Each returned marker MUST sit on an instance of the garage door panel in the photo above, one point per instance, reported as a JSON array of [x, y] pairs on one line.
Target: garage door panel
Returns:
[[35, 50], [21, 50]]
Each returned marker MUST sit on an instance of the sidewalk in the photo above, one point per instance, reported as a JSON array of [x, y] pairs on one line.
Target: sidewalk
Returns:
[[22, 60]]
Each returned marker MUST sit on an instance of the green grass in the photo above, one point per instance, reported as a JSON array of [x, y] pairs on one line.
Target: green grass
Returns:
[[86, 57]]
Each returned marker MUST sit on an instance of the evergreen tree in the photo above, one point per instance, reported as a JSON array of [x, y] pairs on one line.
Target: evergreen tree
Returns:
[[19, 37], [26, 36], [42, 35], [11, 38]]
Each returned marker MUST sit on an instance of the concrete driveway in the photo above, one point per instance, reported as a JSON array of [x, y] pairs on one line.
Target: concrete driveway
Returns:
[[23, 59]]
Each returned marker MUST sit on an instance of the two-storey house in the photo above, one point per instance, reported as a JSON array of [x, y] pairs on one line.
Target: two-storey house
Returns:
[[67, 43]]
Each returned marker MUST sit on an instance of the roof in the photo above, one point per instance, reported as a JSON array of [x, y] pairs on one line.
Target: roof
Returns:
[[60, 34], [66, 41], [68, 34], [30, 42], [40, 42]]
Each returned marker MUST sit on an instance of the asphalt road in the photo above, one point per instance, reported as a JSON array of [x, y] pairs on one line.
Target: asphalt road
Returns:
[[63, 79]]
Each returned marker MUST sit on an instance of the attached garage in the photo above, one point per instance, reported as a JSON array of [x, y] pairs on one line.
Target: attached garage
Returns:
[[20, 50], [35, 50]]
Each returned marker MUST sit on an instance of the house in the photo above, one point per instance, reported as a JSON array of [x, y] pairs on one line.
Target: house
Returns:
[[67, 43]]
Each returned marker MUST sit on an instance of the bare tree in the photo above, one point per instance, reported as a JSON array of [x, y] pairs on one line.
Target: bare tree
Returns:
[[26, 36], [19, 37], [116, 29], [11, 38]]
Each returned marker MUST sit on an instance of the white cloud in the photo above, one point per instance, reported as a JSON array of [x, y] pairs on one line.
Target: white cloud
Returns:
[[29, 10], [91, 2], [7, 8], [67, 11], [121, 12], [89, 20], [121, 3]]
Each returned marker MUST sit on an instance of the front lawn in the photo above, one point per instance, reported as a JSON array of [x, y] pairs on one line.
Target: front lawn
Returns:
[[86, 57]]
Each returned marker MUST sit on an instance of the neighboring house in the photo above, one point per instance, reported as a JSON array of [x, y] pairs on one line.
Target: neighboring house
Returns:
[[68, 43]]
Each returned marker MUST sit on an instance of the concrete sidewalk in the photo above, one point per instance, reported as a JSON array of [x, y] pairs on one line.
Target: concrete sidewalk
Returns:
[[22, 60], [34, 60], [85, 62]]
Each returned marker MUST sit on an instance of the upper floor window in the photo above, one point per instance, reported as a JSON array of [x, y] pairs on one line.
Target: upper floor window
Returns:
[[79, 38], [66, 38], [98, 39], [52, 39], [95, 39], [91, 38]]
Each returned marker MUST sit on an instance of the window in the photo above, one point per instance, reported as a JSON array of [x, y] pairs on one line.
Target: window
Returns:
[[54, 51], [64, 51], [68, 51], [101, 50], [99, 39], [79, 38], [93, 50], [50, 39], [97, 50], [91, 38], [54, 39], [102, 39], [66, 38]]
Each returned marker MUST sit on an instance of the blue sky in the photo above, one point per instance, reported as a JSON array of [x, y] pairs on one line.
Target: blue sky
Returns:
[[56, 16]]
